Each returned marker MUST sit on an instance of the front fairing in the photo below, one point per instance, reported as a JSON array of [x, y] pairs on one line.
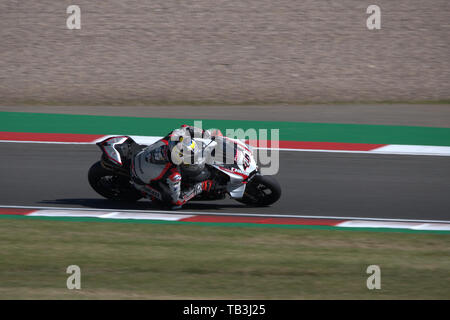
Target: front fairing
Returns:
[[239, 164]]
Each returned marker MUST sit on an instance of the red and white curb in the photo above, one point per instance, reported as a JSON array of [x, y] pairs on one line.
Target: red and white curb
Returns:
[[343, 222], [62, 138]]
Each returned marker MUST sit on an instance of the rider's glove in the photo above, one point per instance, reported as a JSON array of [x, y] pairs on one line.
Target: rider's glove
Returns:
[[208, 185]]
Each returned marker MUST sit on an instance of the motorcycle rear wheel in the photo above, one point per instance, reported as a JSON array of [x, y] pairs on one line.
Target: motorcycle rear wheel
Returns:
[[110, 185], [261, 191]]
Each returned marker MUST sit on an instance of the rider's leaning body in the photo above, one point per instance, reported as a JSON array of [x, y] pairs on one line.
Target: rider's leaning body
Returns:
[[158, 165]]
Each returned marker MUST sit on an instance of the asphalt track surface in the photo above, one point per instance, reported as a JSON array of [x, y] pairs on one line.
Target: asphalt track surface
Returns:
[[313, 183]]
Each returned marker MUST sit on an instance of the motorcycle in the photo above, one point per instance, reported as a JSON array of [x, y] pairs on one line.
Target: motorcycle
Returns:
[[230, 163]]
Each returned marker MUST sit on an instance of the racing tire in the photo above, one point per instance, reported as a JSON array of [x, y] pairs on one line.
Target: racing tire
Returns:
[[110, 185], [261, 191]]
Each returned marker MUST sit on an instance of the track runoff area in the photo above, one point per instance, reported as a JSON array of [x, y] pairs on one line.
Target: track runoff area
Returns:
[[291, 136]]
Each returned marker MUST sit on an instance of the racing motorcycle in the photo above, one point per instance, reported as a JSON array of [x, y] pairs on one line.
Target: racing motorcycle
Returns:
[[235, 173]]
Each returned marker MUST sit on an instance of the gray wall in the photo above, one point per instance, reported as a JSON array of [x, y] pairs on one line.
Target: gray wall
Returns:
[[223, 51]]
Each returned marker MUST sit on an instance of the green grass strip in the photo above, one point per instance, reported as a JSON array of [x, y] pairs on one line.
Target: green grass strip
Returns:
[[290, 130], [222, 224]]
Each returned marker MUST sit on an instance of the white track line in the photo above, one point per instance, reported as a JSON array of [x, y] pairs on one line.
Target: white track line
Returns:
[[45, 142], [227, 214], [375, 151], [274, 149], [108, 215], [395, 149]]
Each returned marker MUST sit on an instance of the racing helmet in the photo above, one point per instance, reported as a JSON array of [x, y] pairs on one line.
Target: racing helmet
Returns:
[[186, 152]]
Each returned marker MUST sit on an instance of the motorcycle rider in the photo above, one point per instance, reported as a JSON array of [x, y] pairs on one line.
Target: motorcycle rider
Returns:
[[155, 170]]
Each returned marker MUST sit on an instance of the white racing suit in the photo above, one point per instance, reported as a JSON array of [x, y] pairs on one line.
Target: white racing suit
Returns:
[[155, 174]]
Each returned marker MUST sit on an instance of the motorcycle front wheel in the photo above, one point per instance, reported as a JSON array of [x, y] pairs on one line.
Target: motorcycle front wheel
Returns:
[[261, 191], [110, 185]]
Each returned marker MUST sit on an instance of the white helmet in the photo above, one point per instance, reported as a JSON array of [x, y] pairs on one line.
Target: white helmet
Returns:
[[186, 152]]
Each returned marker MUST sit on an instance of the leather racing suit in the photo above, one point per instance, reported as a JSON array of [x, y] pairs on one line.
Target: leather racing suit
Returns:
[[157, 176]]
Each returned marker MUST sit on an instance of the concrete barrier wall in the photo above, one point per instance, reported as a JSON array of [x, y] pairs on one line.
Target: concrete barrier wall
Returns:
[[223, 51]]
